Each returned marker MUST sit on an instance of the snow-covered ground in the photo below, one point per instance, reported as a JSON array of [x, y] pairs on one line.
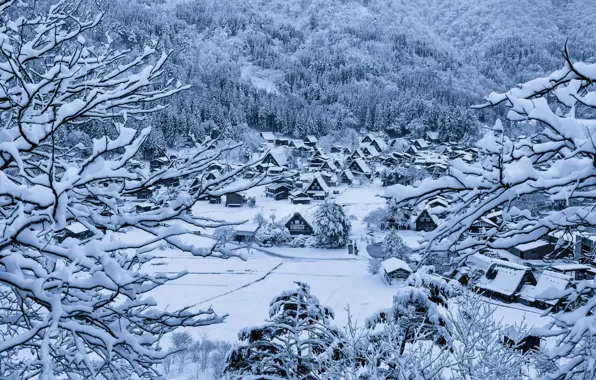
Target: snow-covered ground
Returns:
[[243, 289]]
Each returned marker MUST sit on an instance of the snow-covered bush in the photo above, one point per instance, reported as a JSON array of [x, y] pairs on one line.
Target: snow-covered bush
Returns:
[[331, 225], [251, 202], [299, 242], [297, 342], [272, 234], [377, 218], [374, 266]]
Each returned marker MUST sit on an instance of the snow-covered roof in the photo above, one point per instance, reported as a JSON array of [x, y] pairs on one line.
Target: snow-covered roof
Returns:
[[348, 173], [507, 278], [76, 227], [531, 245], [432, 135], [298, 143], [570, 267], [371, 150], [380, 143], [548, 287], [278, 156], [311, 139], [422, 143], [331, 164], [321, 181], [394, 264], [268, 136], [361, 165]]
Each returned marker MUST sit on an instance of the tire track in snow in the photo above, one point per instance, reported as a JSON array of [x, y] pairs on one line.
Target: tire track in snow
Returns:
[[241, 287]]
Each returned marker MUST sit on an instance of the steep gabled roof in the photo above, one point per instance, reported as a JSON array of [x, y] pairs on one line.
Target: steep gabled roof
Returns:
[[321, 182], [380, 143], [546, 289], [361, 165], [310, 139]]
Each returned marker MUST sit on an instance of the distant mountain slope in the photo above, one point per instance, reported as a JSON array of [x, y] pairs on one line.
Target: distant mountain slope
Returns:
[[310, 66]]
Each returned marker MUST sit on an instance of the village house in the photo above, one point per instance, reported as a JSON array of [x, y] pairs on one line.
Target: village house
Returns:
[[330, 179], [274, 158], [536, 250], [278, 191], [329, 166], [502, 279], [357, 154], [347, 177], [158, 163], [367, 139], [425, 221], [412, 151], [379, 144], [395, 269], [420, 144], [370, 152], [282, 141], [548, 282], [310, 140], [337, 149], [297, 144], [299, 224], [359, 167], [317, 188], [433, 137], [577, 272]]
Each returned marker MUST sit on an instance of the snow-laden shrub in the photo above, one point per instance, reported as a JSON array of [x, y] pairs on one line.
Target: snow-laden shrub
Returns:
[[272, 234], [251, 201], [299, 242], [374, 266]]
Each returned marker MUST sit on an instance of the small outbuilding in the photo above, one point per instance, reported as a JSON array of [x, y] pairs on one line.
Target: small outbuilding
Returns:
[[395, 269]]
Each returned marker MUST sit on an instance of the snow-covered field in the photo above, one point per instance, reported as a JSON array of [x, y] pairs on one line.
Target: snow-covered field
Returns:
[[243, 288]]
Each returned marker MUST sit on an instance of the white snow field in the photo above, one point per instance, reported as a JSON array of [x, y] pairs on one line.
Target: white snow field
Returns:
[[243, 288]]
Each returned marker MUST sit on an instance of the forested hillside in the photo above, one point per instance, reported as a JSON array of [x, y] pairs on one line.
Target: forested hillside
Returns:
[[311, 66]]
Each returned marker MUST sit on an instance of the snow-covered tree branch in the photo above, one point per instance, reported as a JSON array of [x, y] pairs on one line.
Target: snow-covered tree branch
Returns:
[[79, 307], [559, 164]]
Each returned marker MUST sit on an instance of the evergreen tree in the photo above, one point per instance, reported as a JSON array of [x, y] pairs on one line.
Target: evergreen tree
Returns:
[[332, 226], [296, 342], [394, 246]]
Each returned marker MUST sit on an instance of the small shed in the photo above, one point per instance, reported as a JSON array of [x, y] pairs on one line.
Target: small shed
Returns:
[[395, 269], [234, 200], [245, 233]]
